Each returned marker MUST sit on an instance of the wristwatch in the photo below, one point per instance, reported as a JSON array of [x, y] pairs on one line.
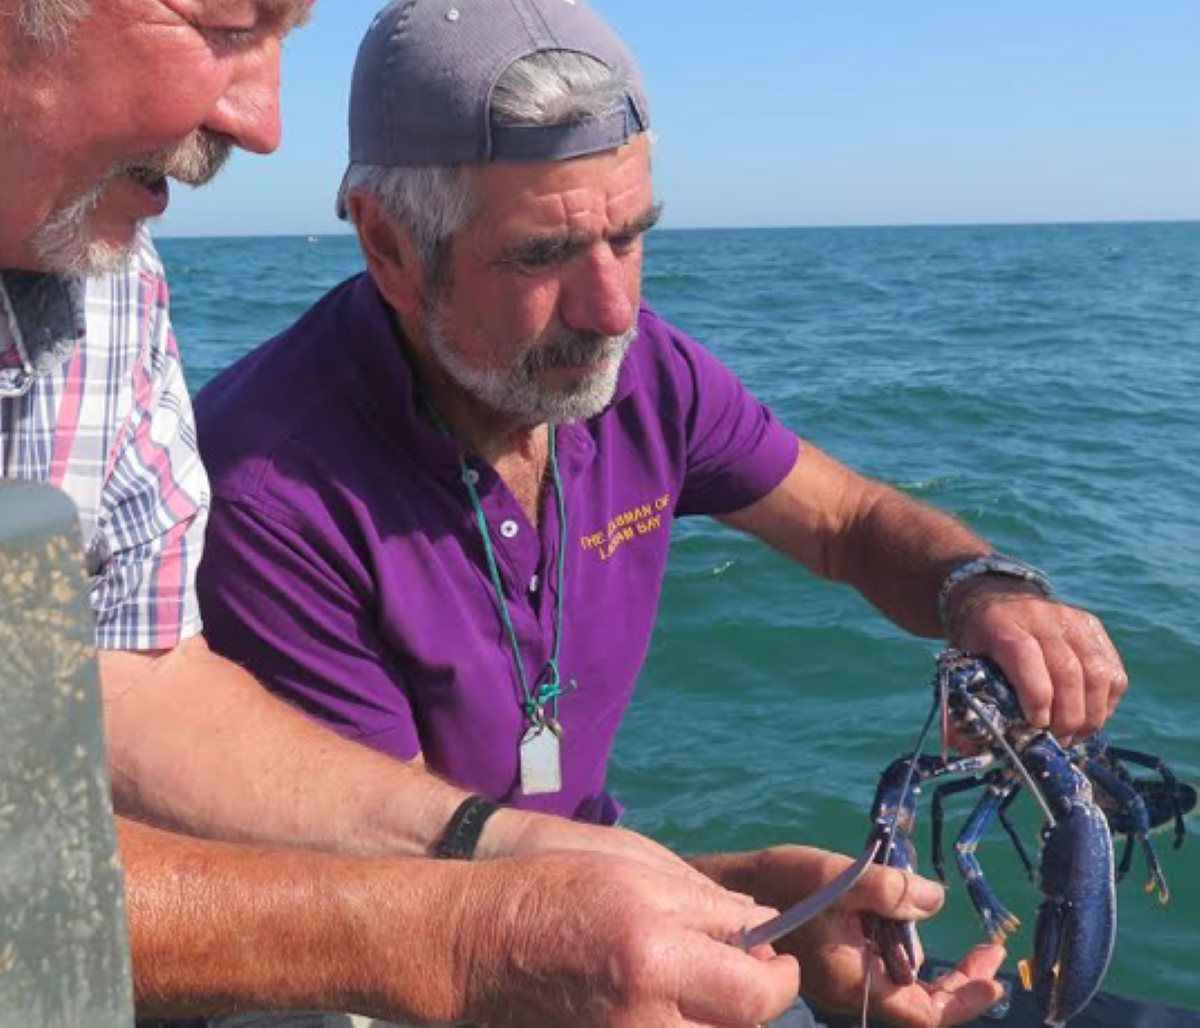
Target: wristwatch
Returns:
[[989, 564]]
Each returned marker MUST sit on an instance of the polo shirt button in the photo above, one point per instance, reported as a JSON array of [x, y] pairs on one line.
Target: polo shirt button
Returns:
[[509, 529], [472, 476]]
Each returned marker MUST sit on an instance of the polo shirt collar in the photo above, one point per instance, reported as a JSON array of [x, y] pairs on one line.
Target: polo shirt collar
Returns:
[[382, 379], [46, 318]]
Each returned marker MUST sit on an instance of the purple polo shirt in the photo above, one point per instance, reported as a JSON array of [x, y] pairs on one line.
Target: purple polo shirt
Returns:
[[344, 565]]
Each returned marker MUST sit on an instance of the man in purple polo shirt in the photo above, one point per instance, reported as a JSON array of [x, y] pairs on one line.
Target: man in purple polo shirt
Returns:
[[443, 499]]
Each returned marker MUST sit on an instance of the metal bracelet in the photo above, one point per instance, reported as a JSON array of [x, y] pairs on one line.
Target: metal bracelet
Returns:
[[988, 564]]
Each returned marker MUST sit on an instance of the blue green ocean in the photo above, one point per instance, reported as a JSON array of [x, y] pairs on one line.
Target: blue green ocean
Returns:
[[1042, 383]]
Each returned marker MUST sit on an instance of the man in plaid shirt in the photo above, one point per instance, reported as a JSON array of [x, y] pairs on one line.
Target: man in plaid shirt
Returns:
[[93, 401], [101, 103]]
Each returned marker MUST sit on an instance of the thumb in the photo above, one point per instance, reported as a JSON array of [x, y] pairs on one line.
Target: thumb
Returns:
[[721, 984]]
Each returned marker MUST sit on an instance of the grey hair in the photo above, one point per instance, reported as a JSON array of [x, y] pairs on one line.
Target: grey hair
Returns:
[[49, 22], [434, 204]]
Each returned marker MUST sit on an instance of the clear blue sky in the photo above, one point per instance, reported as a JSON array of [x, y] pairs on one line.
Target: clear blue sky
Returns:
[[827, 112]]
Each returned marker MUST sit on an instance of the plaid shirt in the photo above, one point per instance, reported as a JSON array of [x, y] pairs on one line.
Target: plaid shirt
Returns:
[[93, 401]]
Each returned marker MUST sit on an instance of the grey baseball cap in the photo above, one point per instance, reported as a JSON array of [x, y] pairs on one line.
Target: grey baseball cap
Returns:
[[422, 88]]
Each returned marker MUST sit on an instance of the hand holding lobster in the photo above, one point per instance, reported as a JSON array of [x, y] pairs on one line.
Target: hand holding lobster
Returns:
[[834, 951], [1065, 669]]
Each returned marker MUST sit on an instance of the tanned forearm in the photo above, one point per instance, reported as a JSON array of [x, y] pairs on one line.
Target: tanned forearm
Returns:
[[215, 928], [850, 529], [898, 552], [197, 745]]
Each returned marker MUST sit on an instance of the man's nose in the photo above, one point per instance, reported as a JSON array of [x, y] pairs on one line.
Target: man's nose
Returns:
[[599, 296], [248, 110]]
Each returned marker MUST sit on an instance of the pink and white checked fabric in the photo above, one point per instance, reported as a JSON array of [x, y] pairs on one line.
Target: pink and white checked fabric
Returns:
[[93, 400]]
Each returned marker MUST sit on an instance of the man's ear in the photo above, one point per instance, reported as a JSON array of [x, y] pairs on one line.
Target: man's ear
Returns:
[[390, 254]]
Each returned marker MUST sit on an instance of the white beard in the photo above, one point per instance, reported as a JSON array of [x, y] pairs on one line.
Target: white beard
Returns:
[[515, 391], [63, 244]]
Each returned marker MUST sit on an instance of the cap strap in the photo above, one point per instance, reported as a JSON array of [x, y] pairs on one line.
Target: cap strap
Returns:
[[566, 140]]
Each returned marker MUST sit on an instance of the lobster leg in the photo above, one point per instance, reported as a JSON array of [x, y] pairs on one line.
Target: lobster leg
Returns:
[[1126, 857], [1018, 845], [997, 919], [937, 820], [1155, 764], [1135, 821]]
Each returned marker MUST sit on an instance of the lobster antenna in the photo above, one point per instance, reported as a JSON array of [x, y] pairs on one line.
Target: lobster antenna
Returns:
[[912, 767], [866, 1003], [1020, 768], [943, 695]]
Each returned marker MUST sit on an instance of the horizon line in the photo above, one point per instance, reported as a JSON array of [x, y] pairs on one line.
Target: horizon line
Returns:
[[347, 233]]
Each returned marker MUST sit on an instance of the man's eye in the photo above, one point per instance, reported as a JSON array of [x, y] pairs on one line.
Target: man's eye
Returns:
[[232, 38], [541, 262], [538, 260], [624, 244]]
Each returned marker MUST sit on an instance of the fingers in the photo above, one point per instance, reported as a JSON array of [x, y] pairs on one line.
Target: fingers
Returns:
[[981, 961], [961, 995], [704, 906], [1104, 673], [1063, 665], [1069, 706], [1022, 660], [1069, 682], [720, 984], [970, 989], [1117, 684], [794, 872], [723, 985], [895, 895]]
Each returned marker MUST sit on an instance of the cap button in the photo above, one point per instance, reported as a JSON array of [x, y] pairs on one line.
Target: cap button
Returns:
[[453, 14]]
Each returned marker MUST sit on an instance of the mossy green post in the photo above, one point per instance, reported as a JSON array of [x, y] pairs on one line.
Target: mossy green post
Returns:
[[64, 952]]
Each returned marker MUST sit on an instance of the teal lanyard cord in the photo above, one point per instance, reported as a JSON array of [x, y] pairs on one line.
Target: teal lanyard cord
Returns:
[[550, 689]]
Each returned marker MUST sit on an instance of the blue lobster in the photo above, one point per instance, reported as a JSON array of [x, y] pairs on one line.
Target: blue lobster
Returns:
[[1076, 922]]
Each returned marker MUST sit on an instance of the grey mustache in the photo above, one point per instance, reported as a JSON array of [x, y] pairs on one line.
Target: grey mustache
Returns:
[[572, 350], [195, 162]]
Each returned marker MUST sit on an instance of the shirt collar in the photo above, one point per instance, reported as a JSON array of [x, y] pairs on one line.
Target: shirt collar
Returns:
[[382, 378], [46, 317]]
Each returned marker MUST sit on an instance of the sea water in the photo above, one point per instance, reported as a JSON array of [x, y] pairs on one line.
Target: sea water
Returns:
[[1042, 383]]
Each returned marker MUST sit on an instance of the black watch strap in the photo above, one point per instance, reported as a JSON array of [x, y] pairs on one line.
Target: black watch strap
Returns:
[[464, 828]]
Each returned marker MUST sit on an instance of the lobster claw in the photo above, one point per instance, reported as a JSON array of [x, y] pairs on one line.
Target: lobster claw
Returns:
[[892, 812], [1077, 920], [897, 940]]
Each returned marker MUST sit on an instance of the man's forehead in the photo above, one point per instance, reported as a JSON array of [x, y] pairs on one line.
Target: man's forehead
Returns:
[[613, 186]]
